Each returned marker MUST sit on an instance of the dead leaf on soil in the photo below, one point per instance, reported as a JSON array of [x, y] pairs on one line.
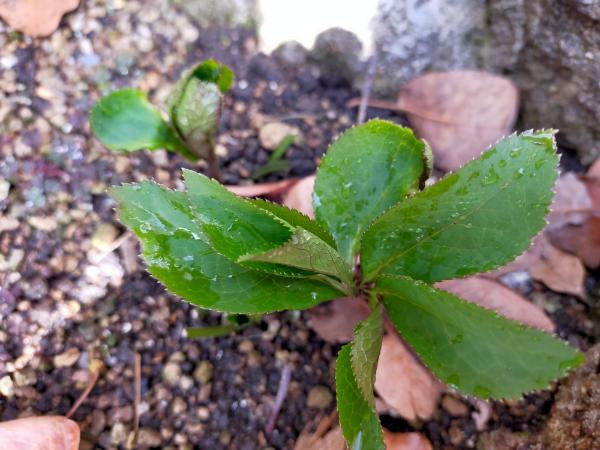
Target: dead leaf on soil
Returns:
[[274, 189], [404, 383], [327, 436], [459, 113], [405, 441], [594, 170], [39, 433], [35, 17], [334, 321], [560, 271], [299, 196], [493, 295], [571, 204]]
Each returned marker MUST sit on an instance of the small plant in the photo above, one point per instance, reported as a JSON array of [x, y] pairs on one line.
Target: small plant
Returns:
[[126, 121], [378, 235]]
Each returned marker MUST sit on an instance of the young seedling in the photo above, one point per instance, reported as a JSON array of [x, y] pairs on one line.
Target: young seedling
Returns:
[[126, 121], [380, 236]]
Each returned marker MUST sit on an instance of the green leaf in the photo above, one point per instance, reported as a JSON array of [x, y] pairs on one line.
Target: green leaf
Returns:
[[177, 253], [214, 72], [360, 424], [194, 104], [306, 251], [367, 170], [234, 226], [125, 120], [296, 219], [365, 352], [472, 348], [473, 220]]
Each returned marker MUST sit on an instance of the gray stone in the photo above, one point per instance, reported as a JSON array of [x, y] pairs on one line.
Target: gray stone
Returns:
[[337, 54], [291, 54], [209, 13], [415, 36], [552, 50]]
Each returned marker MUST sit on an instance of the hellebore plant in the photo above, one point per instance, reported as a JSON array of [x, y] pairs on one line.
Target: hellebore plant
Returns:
[[126, 121], [378, 235]]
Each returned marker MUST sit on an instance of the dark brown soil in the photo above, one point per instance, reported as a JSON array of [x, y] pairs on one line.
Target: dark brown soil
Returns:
[[62, 288]]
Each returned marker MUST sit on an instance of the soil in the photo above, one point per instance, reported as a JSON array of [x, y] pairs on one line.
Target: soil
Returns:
[[68, 302]]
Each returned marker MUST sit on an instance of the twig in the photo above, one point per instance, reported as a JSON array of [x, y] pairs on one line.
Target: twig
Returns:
[[366, 89], [282, 390], [137, 396], [84, 394]]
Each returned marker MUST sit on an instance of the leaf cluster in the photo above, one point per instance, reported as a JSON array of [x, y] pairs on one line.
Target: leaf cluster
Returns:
[[380, 235], [125, 120]]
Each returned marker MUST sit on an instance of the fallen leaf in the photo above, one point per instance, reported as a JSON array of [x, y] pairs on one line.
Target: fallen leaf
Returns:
[[334, 321], [560, 271], [327, 436], [299, 196], [332, 440], [404, 383], [263, 189], [35, 17], [39, 433], [572, 202], [495, 296], [594, 170], [405, 441], [459, 113], [583, 241]]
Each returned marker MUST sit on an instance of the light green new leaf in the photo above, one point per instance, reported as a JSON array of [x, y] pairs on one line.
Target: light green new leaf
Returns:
[[472, 348], [367, 170], [125, 120], [306, 251], [473, 220], [295, 218], [195, 101], [360, 424], [366, 346], [177, 253]]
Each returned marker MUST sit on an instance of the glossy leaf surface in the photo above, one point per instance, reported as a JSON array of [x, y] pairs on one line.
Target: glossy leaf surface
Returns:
[[177, 253], [360, 424], [368, 169], [125, 120], [472, 348], [366, 346], [471, 221]]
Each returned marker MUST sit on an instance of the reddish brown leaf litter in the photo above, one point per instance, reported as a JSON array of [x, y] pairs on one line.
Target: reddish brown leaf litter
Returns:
[[35, 17], [404, 383], [39, 433], [460, 113]]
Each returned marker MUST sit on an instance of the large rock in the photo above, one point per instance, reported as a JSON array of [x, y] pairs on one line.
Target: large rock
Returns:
[[552, 49], [415, 36], [226, 13]]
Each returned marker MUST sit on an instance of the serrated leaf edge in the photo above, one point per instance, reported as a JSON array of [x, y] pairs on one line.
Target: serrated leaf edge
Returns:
[[467, 395]]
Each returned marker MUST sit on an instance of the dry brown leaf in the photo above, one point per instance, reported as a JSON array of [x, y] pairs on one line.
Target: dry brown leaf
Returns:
[[273, 189], [334, 321], [459, 113], [404, 383], [299, 196], [560, 271], [572, 202], [39, 433], [35, 17], [495, 296], [405, 441], [580, 240], [332, 440], [594, 170]]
